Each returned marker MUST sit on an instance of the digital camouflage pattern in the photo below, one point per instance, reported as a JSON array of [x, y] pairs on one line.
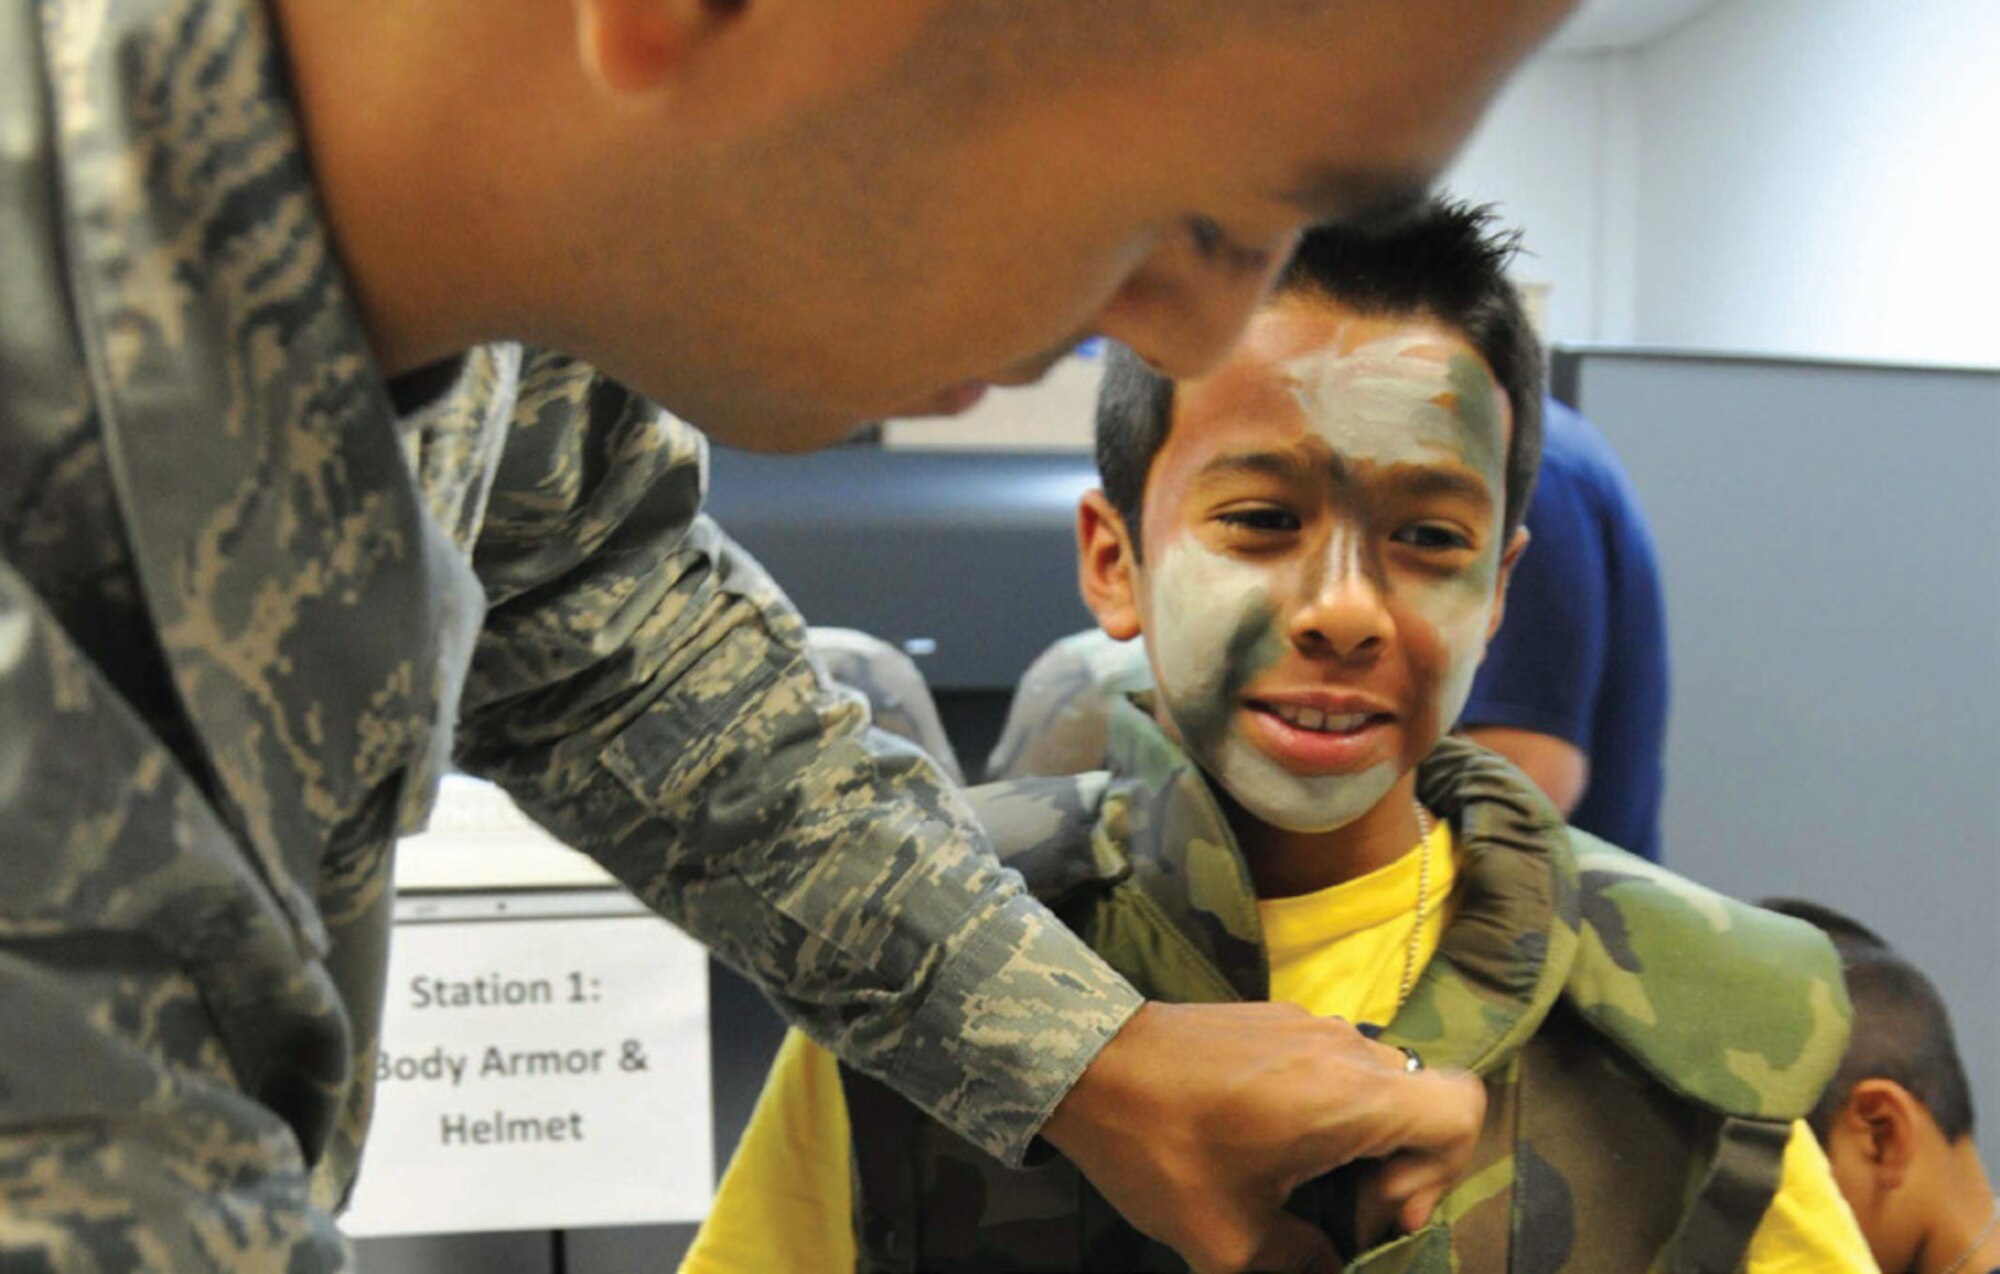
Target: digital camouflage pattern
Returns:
[[248, 612], [1646, 1044]]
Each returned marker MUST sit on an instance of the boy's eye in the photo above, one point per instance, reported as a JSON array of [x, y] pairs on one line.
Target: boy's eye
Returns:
[[1264, 521], [1432, 537]]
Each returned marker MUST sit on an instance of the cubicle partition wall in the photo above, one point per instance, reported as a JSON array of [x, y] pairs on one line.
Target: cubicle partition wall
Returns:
[[1830, 540]]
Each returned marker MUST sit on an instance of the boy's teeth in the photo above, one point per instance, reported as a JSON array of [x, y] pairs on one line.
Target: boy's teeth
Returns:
[[1314, 719]]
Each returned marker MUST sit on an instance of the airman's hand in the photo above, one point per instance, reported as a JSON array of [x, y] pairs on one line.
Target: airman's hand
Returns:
[[1197, 1121]]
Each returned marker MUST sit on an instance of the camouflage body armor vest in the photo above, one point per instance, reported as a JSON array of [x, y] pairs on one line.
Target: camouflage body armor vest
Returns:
[[1646, 1044]]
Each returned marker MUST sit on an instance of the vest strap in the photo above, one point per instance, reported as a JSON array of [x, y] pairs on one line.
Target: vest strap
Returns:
[[1741, 1181], [885, 1168]]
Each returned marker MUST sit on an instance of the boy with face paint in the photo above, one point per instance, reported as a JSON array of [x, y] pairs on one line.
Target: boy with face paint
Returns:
[[1314, 540]]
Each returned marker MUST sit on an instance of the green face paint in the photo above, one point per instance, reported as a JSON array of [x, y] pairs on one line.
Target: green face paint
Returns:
[[1482, 431], [1217, 629], [1222, 622], [1393, 402], [1387, 403]]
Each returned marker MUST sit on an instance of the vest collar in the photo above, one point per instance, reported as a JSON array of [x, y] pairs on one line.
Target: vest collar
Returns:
[[1501, 964]]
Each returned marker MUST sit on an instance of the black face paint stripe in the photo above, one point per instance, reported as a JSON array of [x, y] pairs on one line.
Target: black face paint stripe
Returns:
[[1208, 722]]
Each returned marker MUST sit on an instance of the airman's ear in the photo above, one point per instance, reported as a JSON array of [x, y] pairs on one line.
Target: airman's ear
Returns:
[[1107, 565], [638, 48]]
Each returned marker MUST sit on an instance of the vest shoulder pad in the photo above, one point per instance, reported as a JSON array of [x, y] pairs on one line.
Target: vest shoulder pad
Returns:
[[1730, 1006], [1045, 829]]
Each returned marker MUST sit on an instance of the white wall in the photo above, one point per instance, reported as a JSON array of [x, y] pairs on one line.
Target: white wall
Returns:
[[1822, 177], [1806, 177], [1544, 155]]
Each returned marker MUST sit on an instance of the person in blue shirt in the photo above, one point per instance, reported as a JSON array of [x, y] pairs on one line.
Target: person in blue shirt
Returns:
[[1574, 687]]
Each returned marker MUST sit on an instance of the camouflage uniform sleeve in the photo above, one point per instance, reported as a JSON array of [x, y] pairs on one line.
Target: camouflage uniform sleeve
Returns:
[[899, 699], [643, 690]]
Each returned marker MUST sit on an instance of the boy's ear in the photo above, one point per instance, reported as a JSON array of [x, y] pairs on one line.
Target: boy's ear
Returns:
[[1107, 566], [639, 48], [1878, 1128], [1515, 547]]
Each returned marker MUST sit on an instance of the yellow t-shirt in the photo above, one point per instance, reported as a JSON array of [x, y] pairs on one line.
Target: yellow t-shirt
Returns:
[[785, 1202]]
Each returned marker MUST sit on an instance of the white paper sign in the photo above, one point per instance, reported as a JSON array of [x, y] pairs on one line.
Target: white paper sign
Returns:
[[538, 1073]]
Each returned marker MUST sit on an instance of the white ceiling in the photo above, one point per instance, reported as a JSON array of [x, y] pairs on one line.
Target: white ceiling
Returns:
[[1622, 24]]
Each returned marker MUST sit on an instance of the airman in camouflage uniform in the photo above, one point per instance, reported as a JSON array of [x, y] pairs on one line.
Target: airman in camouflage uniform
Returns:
[[247, 612], [1639, 1099], [254, 594]]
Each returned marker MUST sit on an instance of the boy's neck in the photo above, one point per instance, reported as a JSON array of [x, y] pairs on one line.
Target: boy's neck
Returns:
[[1963, 1210], [1284, 864]]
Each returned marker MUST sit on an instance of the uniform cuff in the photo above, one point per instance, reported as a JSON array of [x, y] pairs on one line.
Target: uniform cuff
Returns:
[[1014, 1017]]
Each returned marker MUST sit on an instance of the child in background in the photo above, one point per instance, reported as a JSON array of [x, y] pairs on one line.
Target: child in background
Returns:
[[1897, 1119]]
